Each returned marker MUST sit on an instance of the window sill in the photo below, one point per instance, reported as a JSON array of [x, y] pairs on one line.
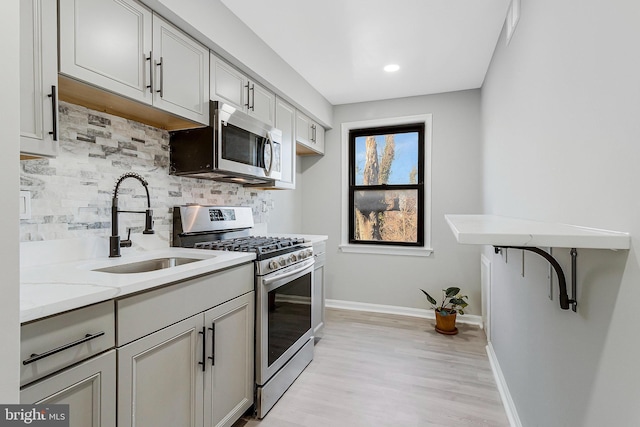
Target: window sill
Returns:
[[385, 250]]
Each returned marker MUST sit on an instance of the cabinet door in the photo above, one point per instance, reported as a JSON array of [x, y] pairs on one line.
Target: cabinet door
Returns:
[[318, 138], [38, 77], [160, 382], [262, 104], [88, 388], [230, 380], [309, 135], [286, 122], [181, 69], [107, 43], [303, 129], [228, 84]]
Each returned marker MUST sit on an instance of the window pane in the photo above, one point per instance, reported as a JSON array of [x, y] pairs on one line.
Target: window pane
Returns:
[[386, 215], [386, 159]]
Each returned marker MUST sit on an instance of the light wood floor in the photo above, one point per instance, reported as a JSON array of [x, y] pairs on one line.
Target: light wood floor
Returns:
[[385, 370]]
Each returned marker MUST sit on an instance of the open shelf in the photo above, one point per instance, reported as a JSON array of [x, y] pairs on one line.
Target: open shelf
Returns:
[[504, 231]]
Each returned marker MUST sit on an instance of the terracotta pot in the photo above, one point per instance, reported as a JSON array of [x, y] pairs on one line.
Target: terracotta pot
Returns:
[[446, 324]]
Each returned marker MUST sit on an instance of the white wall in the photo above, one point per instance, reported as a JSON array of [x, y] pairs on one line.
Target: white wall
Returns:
[[217, 27], [456, 174], [9, 123], [561, 135]]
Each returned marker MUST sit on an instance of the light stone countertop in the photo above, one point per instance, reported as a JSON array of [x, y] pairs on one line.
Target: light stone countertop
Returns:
[[56, 276]]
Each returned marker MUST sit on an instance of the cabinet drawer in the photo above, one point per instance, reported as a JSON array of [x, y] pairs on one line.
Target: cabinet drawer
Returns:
[[319, 247], [51, 344], [142, 314]]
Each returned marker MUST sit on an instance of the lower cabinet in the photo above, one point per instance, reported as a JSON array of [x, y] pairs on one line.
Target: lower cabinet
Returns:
[[159, 378], [89, 389], [229, 380], [317, 309], [197, 372]]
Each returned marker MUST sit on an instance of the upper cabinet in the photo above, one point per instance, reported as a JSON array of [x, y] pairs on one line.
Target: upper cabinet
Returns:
[[108, 43], [38, 78], [181, 83], [309, 135], [231, 86], [121, 46], [286, 122]]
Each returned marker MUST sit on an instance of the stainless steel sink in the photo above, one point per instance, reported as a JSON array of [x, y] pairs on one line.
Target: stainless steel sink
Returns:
[[147, 265]]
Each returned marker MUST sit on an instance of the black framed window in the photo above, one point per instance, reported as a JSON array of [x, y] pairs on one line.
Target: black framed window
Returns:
[[386, 185]]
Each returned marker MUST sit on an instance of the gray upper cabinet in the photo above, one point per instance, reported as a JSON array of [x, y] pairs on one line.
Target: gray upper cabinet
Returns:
[[108, 43], [286, 122], [121, 46], [309, 135], [181, 84], [38, 78], [231, 86]]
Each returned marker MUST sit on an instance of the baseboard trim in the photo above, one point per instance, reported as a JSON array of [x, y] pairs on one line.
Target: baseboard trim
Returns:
[[470, 319], [505, 395]]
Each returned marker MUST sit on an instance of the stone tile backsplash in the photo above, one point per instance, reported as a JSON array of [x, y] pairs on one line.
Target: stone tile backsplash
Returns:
[[71, 194]]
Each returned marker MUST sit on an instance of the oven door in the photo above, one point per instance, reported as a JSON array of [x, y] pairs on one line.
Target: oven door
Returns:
[[283, 317]]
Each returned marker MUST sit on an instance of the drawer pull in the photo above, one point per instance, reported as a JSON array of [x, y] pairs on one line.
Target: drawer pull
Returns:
[[35, 357]]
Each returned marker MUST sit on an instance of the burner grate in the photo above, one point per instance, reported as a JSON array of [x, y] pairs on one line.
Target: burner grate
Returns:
[[259, 244]]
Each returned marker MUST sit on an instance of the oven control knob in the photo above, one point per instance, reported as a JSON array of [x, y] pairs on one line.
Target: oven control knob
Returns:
[[273, 265], [302, 255], [309, 252], [282, 262], [293, 258]]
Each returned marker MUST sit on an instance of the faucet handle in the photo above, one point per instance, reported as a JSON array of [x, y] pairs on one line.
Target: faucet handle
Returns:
[[127, 242], [148, 223]]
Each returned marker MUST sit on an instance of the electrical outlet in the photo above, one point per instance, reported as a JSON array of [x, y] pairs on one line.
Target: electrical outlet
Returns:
[[25, 204]]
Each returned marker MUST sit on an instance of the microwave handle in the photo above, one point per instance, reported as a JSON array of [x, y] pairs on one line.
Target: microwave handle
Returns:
[[270, 141]]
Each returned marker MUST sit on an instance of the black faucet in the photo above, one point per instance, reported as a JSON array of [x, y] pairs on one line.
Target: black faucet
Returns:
[[114, 241]]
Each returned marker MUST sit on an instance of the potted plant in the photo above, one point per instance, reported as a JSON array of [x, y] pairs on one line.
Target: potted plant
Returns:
[[452, 304]]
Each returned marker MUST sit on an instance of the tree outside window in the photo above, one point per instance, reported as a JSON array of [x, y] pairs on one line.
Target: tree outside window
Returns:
[[386, 185]]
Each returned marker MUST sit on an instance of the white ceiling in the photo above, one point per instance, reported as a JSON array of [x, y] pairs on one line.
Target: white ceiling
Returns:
[[341, 46]]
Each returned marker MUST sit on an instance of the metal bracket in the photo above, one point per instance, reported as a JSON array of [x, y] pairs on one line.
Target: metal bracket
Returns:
[[562, 282]]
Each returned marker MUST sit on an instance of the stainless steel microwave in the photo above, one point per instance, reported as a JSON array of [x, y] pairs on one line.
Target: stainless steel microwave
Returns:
[[234, 148]]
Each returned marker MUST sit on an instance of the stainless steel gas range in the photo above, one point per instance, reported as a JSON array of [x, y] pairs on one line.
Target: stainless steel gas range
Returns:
[[283, 285]]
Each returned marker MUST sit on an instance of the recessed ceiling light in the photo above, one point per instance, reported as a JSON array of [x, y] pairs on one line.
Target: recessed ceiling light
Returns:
[[391, 68]]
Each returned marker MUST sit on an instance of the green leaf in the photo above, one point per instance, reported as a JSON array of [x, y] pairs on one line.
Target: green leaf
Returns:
[[429, 297], [443, 312], [458, 301], [452, 292], [460, 312]]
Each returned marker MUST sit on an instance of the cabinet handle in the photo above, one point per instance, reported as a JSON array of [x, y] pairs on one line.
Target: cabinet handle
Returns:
[[313, 133], [248, 99], [35, 356], [161, 65], [54, 113], [213, 344], [150, 85], [253, 97], [203, 332]]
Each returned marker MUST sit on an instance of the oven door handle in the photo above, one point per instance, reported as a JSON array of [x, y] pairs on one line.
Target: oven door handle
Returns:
[[305, 265]]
